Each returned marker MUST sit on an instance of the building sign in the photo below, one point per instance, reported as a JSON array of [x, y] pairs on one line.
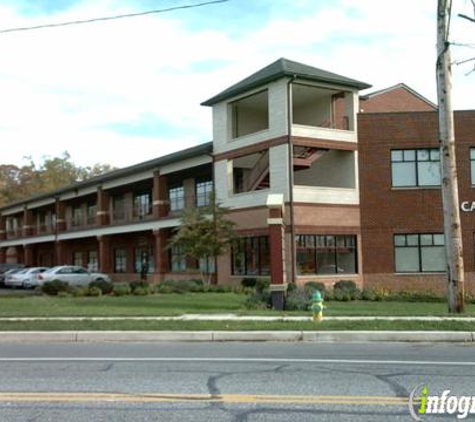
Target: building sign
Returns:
[[468, 206]]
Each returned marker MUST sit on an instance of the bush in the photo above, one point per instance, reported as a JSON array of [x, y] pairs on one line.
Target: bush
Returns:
[[122, 289], [106, 287], [369, 294], [298, 300], [94, 291], [218, 288], [139, 285], [262, 284], [171, 286], [141, 291], [291, 287], [248, 282], [63, 294], [258, 301], [79, 291], [311, 286], [52, 288], [163, 288], [345, 285], [345, 290]]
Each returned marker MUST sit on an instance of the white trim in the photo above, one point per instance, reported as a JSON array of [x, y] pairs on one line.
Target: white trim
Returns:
[[185, 164], [275, 221]]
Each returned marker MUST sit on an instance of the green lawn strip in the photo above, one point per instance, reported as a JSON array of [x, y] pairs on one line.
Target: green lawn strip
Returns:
[[234, 326], [198, 303]]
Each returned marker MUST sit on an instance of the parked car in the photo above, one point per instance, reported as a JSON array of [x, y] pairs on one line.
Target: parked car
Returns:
[[26, 277], [9, 274], [76, 276], [6, 267]]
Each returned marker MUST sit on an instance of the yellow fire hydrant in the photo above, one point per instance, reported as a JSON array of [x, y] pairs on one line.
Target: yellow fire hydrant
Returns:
[[317, 306]]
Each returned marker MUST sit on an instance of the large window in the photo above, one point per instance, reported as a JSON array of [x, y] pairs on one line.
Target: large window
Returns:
[[416, 253], [203, 193], [142, 205], [177, 259], [91, 213], [177, 198], [77, 216], [92, 261], [415, 167], [120, 261], [319, 254], [143, 260], [77, 259], [118, 204], [251, 256]]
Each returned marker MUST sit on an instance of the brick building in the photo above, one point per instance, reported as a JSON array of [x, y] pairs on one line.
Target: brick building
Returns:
[[316, 177]]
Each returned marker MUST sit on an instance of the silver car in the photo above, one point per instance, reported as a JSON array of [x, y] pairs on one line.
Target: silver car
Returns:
[[73, 275], [27, 277]]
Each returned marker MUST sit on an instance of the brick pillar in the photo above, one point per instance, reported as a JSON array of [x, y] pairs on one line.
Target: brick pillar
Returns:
[[3, 255], [161, 253], [3, 228], [29, 255], [27, 222], [59, 253], [160, 196], [103, 211], [60, 216], [105, 263], [278, 286], [189, 188]]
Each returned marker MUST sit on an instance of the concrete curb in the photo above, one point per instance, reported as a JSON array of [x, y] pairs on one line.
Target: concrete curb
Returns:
[[226, 336]]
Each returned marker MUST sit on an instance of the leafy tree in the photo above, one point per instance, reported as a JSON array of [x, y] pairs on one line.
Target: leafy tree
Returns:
[[204, 233], [17, 183]]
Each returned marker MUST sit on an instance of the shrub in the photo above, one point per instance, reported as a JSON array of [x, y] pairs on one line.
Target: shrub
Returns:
[[311, 286], [63, 294], [163, 288], [291, 287], [345, 285], [218, 288], [52, 288], [94, 291], [345, 290], [106, 287], [258, 301], [369, 294], [122, 289], [139, 285], [248, 282], [262, 284], [298, 300], [79, 291], [141, 291]]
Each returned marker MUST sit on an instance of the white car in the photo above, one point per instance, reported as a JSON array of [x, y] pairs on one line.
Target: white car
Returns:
[[75, 276], [7, 276], [27, 277]]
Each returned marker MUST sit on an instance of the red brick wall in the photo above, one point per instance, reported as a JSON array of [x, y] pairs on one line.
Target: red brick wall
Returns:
[[395, 100], [386, 211]]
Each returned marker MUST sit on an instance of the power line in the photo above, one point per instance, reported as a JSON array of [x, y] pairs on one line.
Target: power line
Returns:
[[108, 18]]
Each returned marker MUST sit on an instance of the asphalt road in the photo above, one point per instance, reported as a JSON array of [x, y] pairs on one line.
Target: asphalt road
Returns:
[[226, 381]]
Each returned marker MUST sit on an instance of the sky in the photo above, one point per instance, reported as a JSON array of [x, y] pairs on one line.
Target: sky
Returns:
[[129, 90]]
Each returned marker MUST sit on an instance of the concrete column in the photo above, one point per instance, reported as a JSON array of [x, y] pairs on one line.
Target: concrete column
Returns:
[[60, 253], [105, 261], [162, 264], [160, 196], [278, 286], [29, 255], [27, 222], [103, 211], [60, 216]]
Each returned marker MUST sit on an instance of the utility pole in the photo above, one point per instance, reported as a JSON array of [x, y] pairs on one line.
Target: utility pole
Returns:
[[452, 226]]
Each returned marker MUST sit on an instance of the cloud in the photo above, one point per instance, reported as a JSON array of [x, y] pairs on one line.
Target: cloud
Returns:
[[76, 88]]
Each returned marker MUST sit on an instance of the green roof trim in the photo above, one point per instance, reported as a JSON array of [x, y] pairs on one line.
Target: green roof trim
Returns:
[[284, 68]]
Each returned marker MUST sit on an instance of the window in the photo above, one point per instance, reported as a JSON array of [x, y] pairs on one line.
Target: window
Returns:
[[206, 265], [143, 258], [177, 198], [142, 205], [91, 213], [250, 114], [92, 261], [472, 165], [415, 167], [416, 253], [77, 216], [177, 259], [118, 203], [120, 261], [203, 193], [322, 255], [77, 258], [251, 256]]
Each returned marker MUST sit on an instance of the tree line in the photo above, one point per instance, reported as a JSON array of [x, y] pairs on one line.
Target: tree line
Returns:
[[20, 182]]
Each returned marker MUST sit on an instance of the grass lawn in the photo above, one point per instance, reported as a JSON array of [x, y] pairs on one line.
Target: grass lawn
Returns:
[[178, 304]]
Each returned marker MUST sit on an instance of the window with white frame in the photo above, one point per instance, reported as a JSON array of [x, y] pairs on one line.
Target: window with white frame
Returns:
[[176, 197], [203, 192], [419, 253], [415, 167]]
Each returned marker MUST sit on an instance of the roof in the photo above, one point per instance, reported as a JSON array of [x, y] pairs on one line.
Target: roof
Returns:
[[202, 149], [280, 69], [399, 86]]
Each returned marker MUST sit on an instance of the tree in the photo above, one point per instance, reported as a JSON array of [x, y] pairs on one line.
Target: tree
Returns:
[[450, 199], [204, 233], [17, 183]]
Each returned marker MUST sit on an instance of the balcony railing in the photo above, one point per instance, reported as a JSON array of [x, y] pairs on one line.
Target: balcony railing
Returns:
[[80, 223], [14, 233], [126, 215]]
